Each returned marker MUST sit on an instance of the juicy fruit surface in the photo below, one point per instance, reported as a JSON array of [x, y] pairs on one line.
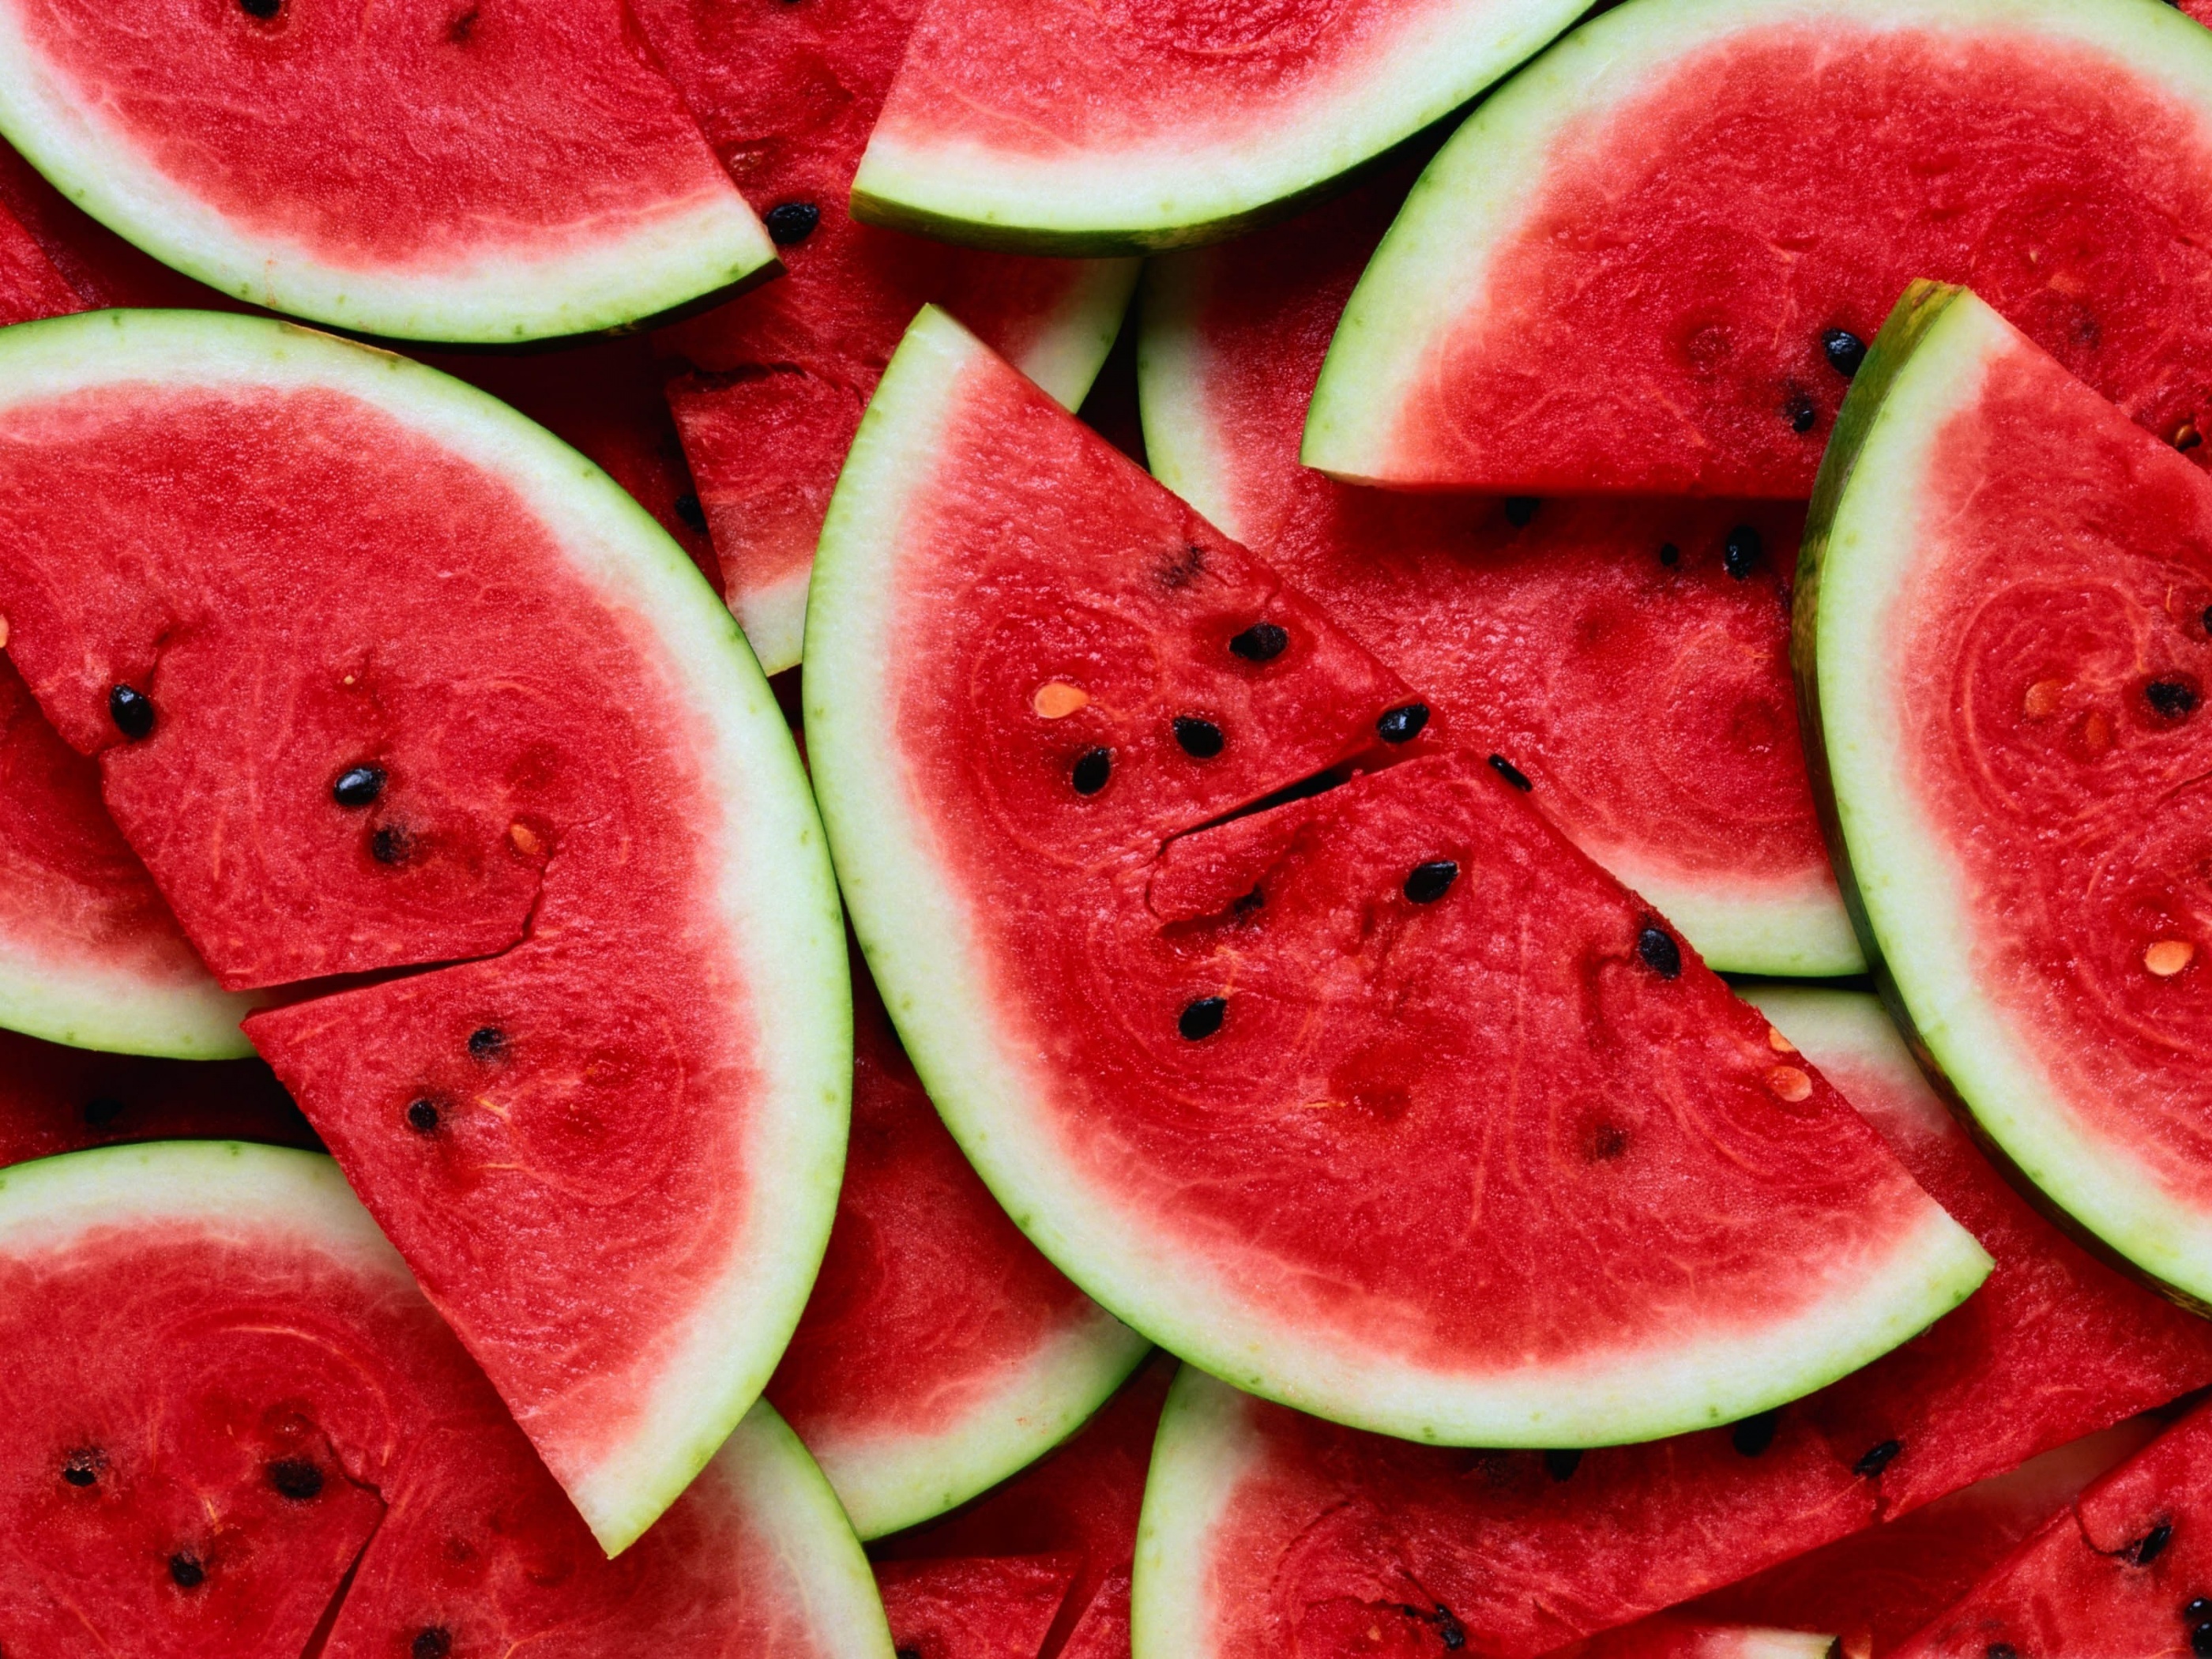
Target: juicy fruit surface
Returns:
[[1688, 210], [54, 1100], [30, 285], [990, 1607]]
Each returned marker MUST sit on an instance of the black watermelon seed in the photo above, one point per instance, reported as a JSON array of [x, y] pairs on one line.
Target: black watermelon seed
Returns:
[[1740, 553], [2171, 698], [1202, 1018], [132, 711], [791, 222], [390, 844], [432, 1642], [81, 1468], [1201, 740], [1670, 556], [1845, 352], [1092, 767], [358, 785], [2198, 1609], [1251, 901], [264, 9], [297, 1479], [2207, 619], [1521, 510], [1800, 413], [101, 1110], [1877, 1459], [2200, 1640], [1261, 642], [1512, 774], [687, 509], [1403, 724], [1431, 881], [186, 1570], [1451, 1631], [2000, 1650], [487, 1043], [1608, 1143], [2151, 1545], [422, 1116], [1562, 1465], [1755, 1434], [1659, 952]]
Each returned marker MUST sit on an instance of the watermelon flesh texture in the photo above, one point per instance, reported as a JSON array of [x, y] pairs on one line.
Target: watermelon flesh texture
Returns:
[[1676, 1636], [990, 1608], [426, 174], [1050, 126], [939, 1352], [1629, 659], [55, 1099], [605, 1086], [231, 1419], [778, 377], [30, 285], [1103, 1632], [1672, 209]]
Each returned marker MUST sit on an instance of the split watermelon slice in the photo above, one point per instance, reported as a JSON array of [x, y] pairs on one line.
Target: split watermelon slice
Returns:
[[2003, 634], [1188, 1042], [1652, 262], [231, 1424], [422, 170], [1683, 778], [1056, 126], [380, 677]]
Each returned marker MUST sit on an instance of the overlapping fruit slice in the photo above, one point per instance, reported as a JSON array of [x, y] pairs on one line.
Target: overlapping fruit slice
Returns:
[[380, 677], [232, 1423], [1629, 659], [1652, 263], [2004, 628], [1278, 1086]]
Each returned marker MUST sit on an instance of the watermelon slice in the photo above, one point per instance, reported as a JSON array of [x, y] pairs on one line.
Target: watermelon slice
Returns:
[[991, 1607], [1685, 779], [2003, 626], [231, 1422], [1651, 264], [786, 93], [55, 1099], [1188, 1061], [1059, 127], [440, 691], [418, 170], [939, 1352]]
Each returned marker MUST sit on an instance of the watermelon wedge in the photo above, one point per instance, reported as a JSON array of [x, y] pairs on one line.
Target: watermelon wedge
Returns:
[[367, 715], [1188, 1044], [418, 170], [1651, 264], [786, 95], [231, 1422], [1684, 778], [55, 1099], [1057, 126], [938, 1353], [2002, 636]]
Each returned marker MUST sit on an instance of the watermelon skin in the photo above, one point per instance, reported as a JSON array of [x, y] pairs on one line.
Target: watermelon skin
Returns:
[[1649, 217], [55, 1099], [661, 1110], [1050, 126], [990, 1607], [1517, 616], [786, 95], [2038, 617], [246, 1317]]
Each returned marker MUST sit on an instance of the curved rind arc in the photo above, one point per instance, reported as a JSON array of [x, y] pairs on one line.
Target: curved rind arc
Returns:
[[119, 1013], [917, 940], [1203, 1448]]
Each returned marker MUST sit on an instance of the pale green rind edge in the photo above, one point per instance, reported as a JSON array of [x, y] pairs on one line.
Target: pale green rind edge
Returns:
[[1903, 890], [1431, 270], [1203, 1448], [912, 930], [119, 1013], [717, 246], [1179, 192], [780, 904]]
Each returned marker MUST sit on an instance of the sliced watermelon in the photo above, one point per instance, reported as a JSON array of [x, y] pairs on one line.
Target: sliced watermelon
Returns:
[[1651, 263], [55, 1099], [230, 1419], [1059, 127], [438, 690], [984, 1607], [1684, 778], [2003, 626], [938, 1353], [788, 94], [1190, 1064]]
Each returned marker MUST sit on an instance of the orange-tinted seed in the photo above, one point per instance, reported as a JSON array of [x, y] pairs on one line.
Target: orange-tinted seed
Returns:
[[1779, 1044], [2042, 700], [2169, 957], [1789, 1082], [1056, 699], [525, 839]]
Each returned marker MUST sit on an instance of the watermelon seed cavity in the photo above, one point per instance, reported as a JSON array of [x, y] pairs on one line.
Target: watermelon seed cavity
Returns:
[[2171, 698], [297, 1479], [2001, 1650], [1876, 1459], [1264, 642], [185, 1569], [1659, 952], [2151, 1545], [421, 1116], [1092, 767], [1845, 352], [390, 844], [1755, 1434], [1562, 1465], [132, 711], [432, 1642], [1512, 774], [487, 1043], [1740, 553], [1431, 881], [1201, 740], [82, 1469], [791, 222], [1403, 724], [1202, 1018], [358, 785]]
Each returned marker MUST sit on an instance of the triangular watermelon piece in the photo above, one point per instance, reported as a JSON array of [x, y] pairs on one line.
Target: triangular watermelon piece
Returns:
[[55, 1099], [1652, 263], [976, 1608], [438, 692]]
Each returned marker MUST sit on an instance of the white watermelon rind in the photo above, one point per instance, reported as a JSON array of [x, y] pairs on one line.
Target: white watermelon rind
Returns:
[[1904, 891], [1431, 273], [86, 1004], [1185, 189], [913, 928], [712, 249], [775, 894]]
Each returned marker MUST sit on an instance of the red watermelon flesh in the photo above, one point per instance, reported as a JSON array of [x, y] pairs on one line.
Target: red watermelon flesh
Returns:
[[1684, 778], [786, 95], [1103, 1632], [981, 1607], [30, 286], [54, 1099], [1696, 194], [1683, 1636], [100, 265]]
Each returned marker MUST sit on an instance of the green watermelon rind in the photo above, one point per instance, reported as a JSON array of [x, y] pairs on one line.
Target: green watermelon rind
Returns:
[[708, 253], [1905, 901], [1182, 192], [1205, 1446], [83, 1004], [1182, 447], [1433, 263], [912, 929], [780, 904]]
